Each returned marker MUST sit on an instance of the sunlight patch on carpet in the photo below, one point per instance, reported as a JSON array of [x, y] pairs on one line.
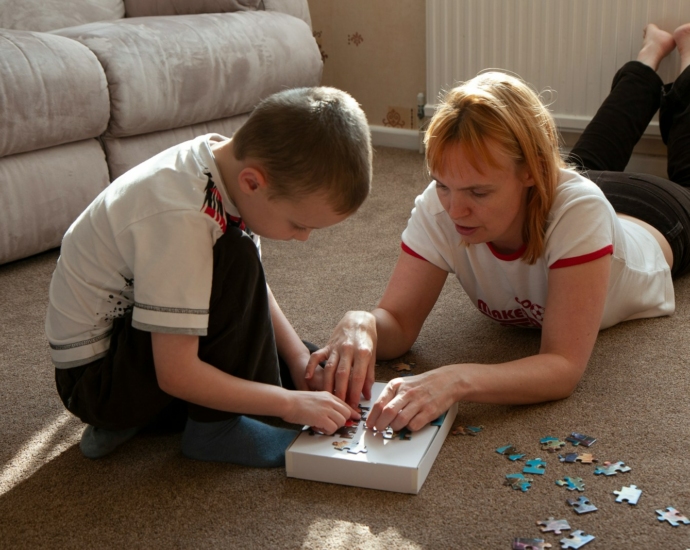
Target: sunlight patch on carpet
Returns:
[[347, 535], [44, 446]]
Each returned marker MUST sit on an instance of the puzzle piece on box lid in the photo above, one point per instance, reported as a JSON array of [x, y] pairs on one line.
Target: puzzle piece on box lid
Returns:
[[518, 481], [611, 469], [534, 466], [580, 439], [572, 483], [352, 448], [582, 505], [555, 525], [576, 540], [673, 516], [530, 544], [630, 494]]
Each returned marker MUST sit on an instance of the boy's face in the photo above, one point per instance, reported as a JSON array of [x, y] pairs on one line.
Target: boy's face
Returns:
[[286, 219]]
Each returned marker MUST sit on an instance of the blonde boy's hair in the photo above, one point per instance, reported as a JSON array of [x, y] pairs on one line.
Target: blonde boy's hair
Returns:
[[502, 108], [310, 140]]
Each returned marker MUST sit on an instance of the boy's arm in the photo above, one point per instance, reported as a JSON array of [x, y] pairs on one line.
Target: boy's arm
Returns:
[[182, 374], [290, 347]]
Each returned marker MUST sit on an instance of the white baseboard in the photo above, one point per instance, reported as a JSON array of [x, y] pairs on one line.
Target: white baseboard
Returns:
[[399, 138]]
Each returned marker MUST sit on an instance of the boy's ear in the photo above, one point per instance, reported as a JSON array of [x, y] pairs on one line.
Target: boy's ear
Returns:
[[251, 179]]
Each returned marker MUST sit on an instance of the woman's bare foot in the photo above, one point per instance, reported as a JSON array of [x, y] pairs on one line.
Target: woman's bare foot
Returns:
[[656, 45], [682, 37]]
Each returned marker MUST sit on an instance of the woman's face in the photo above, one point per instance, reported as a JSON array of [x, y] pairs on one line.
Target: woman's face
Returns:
[[487, 204]]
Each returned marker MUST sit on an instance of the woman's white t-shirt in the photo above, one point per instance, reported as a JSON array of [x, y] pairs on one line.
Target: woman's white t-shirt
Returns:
[[582, 226]]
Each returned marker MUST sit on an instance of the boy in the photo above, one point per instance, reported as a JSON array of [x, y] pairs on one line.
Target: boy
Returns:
[[159, 294]]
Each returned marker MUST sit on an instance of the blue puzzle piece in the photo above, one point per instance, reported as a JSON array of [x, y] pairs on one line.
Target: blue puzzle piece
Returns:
[[535, 466], [518, 481]]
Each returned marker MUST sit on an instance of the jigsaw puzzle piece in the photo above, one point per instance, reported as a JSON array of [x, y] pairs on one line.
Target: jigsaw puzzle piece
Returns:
[[586, 458], [582, 505], [530, 544], [576, 540], [403, 366], [357, 448], [630, 494], [673, 516], [580, 439], [518, 482], [572, 483], [551, 444], [611, 469], [340, 445], [555, 525], [535, 466], [467, 430], [569, 457], [439, 420]]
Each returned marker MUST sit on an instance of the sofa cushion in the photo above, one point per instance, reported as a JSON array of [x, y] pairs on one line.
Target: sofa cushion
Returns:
[[48, 15], [52, 91], [43, 192], [125, 153], [169, 72], [141, 8]]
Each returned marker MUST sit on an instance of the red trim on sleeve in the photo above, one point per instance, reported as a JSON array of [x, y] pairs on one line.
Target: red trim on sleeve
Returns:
[[411, 252], [577, 260]]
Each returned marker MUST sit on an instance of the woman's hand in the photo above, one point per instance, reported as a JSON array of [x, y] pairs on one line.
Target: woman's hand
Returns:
[[414, 401], [350, 357], [320, 410]]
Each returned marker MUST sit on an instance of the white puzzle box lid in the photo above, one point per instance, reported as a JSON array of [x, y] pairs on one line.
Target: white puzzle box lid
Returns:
[[363, 458]]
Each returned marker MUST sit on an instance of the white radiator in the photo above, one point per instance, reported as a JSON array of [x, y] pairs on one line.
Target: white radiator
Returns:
[[572, 47]]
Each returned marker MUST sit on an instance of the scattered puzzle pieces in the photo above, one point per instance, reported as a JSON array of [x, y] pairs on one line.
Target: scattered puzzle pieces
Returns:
[[467, 430], [572, 483], [404, 366], [518, 482], [530, 544], [580, 439], [673, 516], [630, 494], [569, 457], [586, 458], [555, 525], [582, 505], [510, 452], [551, 444], [611, 469], [576, 540], [535, 466]]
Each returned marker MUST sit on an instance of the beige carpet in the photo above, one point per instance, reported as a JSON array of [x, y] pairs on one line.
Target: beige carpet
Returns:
[[633, 399]]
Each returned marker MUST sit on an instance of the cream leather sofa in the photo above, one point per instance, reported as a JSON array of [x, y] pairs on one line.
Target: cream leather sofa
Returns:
[[90, 88]]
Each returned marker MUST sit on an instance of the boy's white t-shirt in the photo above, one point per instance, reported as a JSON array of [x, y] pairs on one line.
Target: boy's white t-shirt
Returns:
[[582, 226], [146, 244]]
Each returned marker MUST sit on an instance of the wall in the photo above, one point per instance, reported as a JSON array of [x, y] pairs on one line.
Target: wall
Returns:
[[376, 51]]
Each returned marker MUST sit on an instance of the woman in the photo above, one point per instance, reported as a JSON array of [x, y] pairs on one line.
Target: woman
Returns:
[[532, 241]]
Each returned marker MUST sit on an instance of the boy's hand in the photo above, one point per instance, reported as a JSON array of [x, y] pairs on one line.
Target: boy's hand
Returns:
[[320, 410], [350, 357]]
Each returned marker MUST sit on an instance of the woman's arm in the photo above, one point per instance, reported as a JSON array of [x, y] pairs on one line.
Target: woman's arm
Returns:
[[388, 332], [573, 313]]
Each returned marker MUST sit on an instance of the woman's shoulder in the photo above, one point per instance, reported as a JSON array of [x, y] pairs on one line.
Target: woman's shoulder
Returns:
[[574, 188]]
